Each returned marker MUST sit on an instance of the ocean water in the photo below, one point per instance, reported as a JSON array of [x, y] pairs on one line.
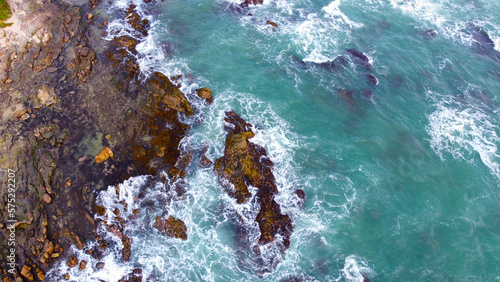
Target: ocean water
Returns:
[[402, 179]]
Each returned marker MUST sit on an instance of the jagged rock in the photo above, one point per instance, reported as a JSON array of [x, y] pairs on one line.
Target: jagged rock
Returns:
[[170, 94], [26, 272], [205, 161], [48, 249], [127, 248], [179, 170], [46, 198], [83, 265], [245, 163], [72, 262], [18, 114], [81, 65], [39, 274], [254, 2], [134, 276], [337, 64], [205, 93], [302, 197], [100, 210], [427, 33], [172, 227], [105, 154], [140, 25], [46, 97]]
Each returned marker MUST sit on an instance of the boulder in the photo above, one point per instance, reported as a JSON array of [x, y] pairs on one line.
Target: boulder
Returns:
[[172, 227], [105, 154], [205, 93]]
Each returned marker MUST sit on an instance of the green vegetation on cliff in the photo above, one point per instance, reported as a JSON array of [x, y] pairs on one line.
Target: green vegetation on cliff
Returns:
[[5, 13]]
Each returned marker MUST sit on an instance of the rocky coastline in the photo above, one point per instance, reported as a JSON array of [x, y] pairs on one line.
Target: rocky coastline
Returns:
[[76, 118]]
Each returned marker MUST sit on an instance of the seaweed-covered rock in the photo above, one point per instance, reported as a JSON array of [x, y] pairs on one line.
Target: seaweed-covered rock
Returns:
[[245, 163], [172, 227]]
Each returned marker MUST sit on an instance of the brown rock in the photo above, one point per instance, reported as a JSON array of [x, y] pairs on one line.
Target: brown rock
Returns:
[[25, 116], [302, 197], [135, 214], [19, 113], [47, 251], [83, 265], [73, 261], [26, 272], [90, 16], [127, 248], [46, 198], [245, 163], [66, 277], [100, 210], [172, 227], [205, 93], [77, 241], [105, 154], [272, 24], [100, 265], [39, 274], [205, 161], [170, 94]]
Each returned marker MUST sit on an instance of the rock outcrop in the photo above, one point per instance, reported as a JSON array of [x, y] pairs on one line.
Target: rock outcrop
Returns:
[[69, 133], [243, 164]]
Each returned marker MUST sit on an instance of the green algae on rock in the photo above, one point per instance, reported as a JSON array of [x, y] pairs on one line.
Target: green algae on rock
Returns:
[[5, 13]]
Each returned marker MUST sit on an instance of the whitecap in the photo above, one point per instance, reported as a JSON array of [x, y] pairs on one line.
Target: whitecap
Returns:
[[464, 132]]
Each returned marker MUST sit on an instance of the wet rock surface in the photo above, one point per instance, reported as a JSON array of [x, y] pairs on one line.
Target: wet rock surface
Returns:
[[246, 164], [75, 119], [171, 227]]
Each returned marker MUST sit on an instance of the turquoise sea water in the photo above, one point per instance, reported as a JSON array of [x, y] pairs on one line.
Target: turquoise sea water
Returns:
[[402, 184]]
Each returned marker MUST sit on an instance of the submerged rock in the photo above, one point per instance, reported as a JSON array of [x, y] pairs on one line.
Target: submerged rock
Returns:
[[337, 64], [427, 33], [359, 58], [243, 164], [371, 79], [482, 43]]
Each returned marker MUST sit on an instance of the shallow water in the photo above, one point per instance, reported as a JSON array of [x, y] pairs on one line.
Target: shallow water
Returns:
[[402, 184]]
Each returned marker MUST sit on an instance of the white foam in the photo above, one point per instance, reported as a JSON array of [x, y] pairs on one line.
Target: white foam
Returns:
[[322, 35], [354, 269], [450, 18], [319, 35], [464, 131]]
